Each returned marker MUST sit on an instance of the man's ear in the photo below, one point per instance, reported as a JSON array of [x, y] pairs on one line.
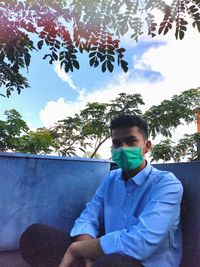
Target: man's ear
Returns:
[[147, 146]]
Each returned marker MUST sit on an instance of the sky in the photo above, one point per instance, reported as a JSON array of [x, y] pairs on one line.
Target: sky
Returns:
[[158, 69]]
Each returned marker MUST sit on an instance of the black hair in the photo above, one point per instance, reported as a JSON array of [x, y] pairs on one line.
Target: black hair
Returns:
[[125, 121]]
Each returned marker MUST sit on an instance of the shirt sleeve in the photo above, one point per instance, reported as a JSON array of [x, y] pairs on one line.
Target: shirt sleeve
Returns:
[[92, 216], [152, 225]]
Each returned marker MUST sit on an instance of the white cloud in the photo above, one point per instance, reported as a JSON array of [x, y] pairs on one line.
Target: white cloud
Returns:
[[177, 61], [56, 110], [66, 77]]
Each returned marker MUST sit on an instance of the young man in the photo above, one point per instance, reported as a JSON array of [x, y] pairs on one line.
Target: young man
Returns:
[[137, 205]]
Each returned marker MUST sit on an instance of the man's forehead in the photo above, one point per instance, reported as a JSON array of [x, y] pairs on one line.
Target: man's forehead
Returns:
[[125, 131]]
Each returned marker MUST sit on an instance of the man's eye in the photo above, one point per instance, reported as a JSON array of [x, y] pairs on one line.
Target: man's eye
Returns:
[[130, 141], [116, 143]]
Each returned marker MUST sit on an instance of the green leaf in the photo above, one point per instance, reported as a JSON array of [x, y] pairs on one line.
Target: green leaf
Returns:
[[96, 62], [111, 58], [40, 44], [81, 48], [54, 55], [166, 30], [76, 64], [121, 50], [92, 54], [160, 30], [47, 55], [181, 34], [110, 66], [57, 46], [124, 65], [27, 60], [101, 56], [70, 65], [66, 67], [92, 61], [103, 67]]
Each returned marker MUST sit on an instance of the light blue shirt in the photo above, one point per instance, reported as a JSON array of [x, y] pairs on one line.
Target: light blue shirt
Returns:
[[141, 217]]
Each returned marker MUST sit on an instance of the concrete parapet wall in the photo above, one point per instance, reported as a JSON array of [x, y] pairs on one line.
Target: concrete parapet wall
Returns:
[[54, 190], [44, 189]]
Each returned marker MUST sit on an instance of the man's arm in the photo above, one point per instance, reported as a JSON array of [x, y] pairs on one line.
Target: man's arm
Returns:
[[91, 218], [86, 247], [89, 249], [85, 229], [83, 237]]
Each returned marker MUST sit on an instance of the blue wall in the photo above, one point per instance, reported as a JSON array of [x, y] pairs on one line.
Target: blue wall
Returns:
[[54, 190], [44, 189]]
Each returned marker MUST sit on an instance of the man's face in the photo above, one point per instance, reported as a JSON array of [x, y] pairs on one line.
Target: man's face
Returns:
[[128, 137]]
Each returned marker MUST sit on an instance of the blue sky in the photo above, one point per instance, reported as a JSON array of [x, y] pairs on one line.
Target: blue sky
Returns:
[[46, 85]]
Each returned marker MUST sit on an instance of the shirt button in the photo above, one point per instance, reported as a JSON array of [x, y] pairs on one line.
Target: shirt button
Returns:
[[125, 216], [128, 195]]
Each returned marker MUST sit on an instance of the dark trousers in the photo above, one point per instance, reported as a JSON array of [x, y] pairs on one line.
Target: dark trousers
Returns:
[[44, 246]]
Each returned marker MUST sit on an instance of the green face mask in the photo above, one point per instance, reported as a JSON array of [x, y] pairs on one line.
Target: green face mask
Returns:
[[128, 158]]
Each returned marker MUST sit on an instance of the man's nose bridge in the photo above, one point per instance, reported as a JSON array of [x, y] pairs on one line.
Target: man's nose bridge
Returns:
[[124, 144]]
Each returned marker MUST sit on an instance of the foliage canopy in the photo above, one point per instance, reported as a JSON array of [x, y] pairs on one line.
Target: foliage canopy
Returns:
[[16, 136], [89, 129], [71, 27]]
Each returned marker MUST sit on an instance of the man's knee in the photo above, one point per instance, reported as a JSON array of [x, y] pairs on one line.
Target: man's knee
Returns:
[[117, 260], [27, 237], [42, 243], [28, 240]]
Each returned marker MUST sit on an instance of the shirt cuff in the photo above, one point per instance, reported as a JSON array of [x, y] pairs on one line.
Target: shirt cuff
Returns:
[[111, 243], [83, 229]]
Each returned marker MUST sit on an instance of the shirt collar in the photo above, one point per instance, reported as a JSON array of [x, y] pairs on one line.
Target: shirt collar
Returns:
[[142, 175], [139, 178]]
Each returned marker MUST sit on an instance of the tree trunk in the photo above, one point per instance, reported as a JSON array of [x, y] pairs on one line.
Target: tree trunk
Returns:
[[96, 149]]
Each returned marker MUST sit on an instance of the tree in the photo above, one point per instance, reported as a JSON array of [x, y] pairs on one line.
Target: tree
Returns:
[[172, 113], [186, 148], [11, 130], [88, 154], [95, 124], [69, 27], [162, 151], [16, 136], [69, 136], [91, 126], [38, 142], [125, 104]]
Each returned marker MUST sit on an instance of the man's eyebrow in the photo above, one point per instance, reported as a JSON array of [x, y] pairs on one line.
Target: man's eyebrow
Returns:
[[116, 139], [131, 136], [127, 137]]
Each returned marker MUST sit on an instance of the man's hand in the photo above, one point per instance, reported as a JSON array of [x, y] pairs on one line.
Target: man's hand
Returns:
[[88, 263], [90, 250], [68, 259]]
